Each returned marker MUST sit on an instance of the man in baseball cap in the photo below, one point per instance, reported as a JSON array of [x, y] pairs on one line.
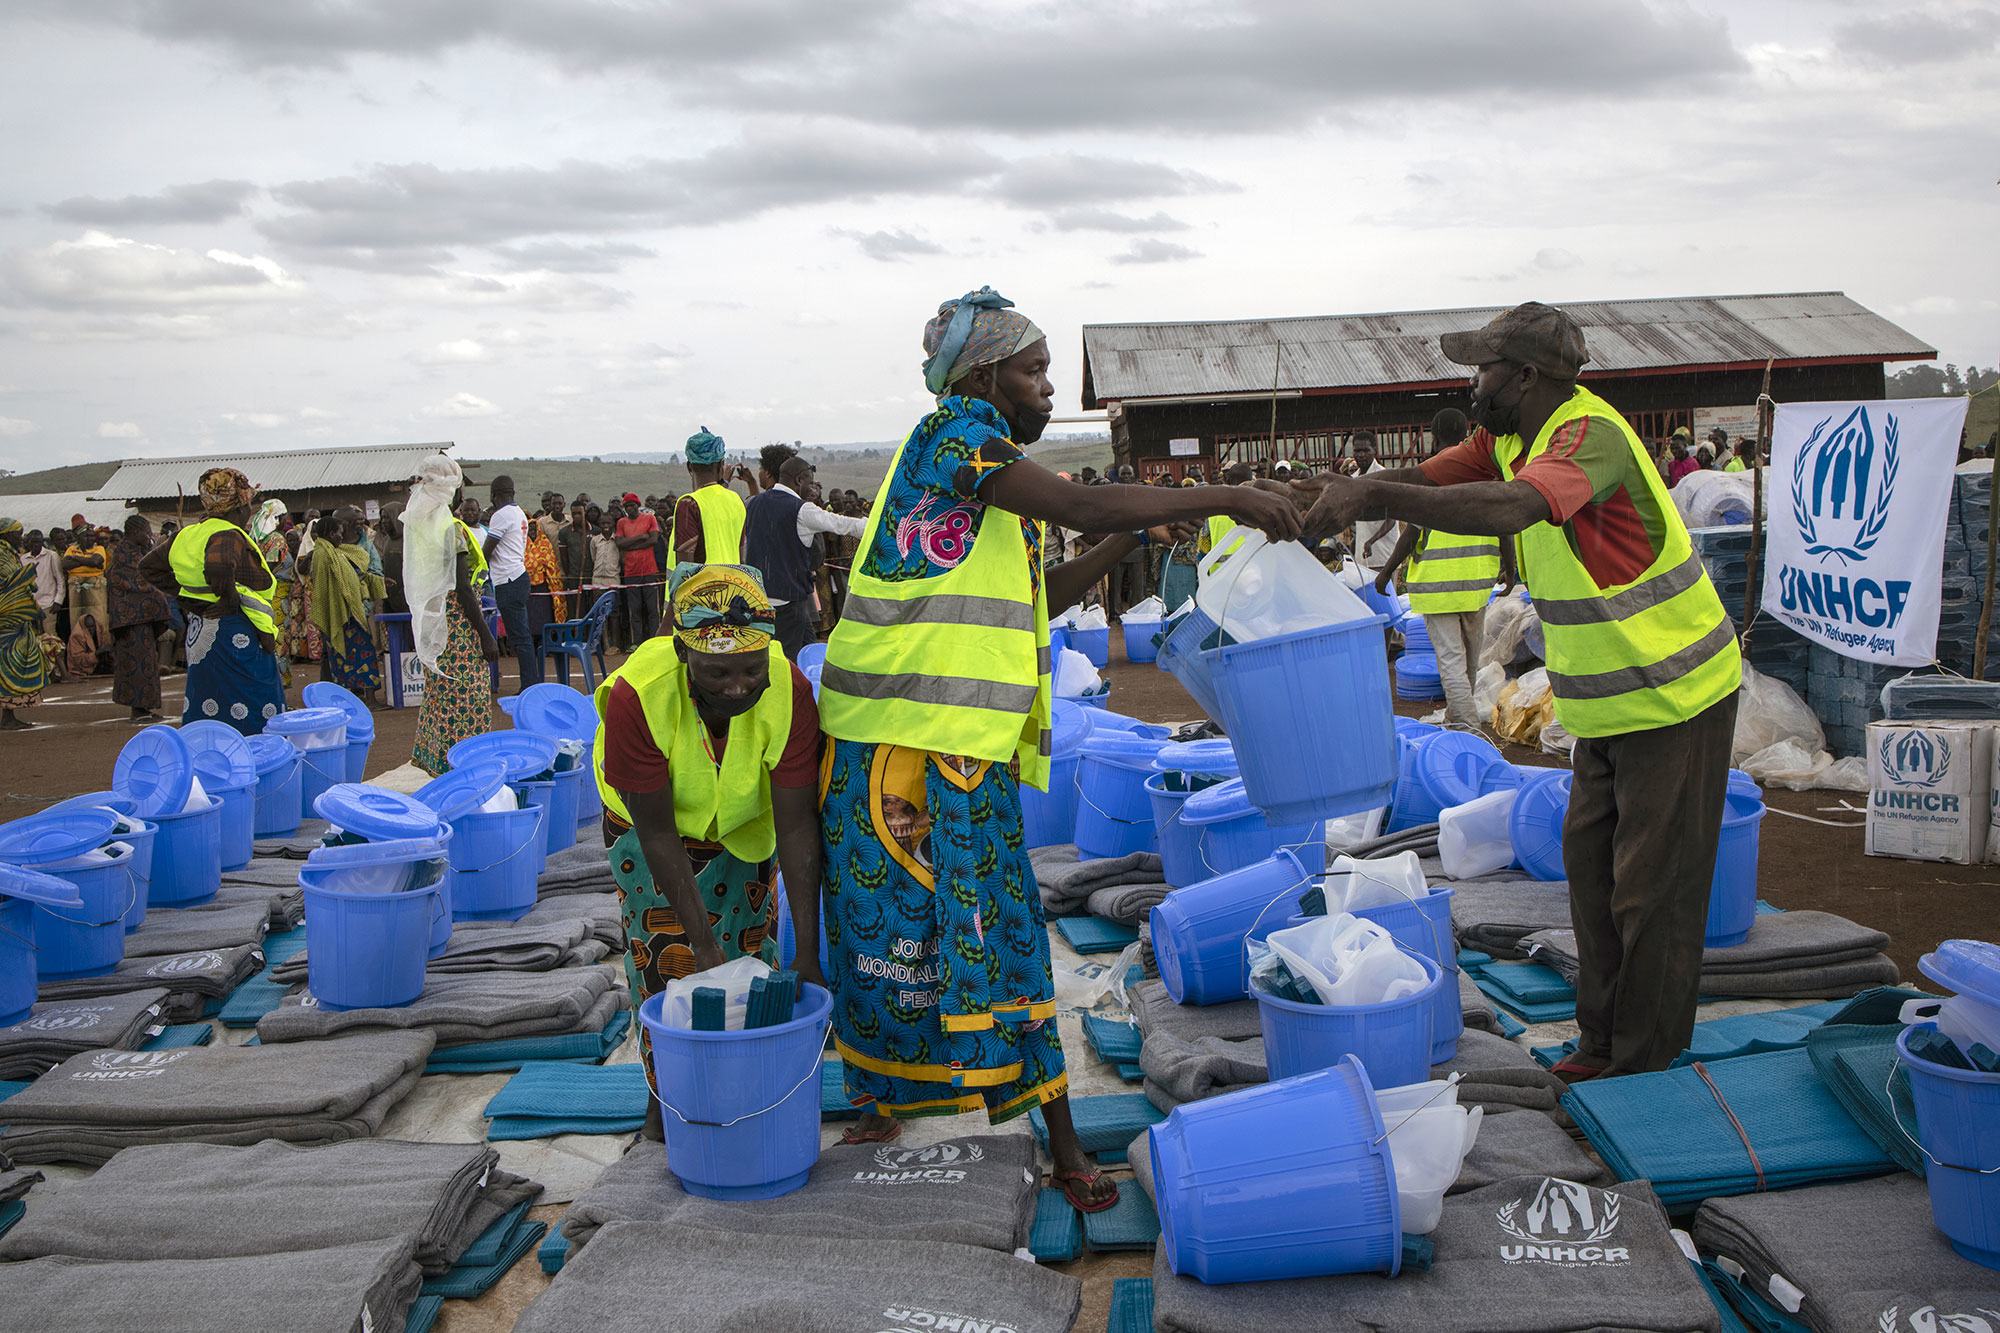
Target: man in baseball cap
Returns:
[[1642, 661]]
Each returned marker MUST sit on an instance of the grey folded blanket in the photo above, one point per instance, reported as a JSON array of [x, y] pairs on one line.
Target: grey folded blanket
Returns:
[[55, 1030], [1495, 915], [1523, 1255], [979, 1190], [206, 1201], [1187, 1071], [92, 1105], [1155, 1011], [1524, 1145], [658, 1275], [540, 947], [191, 979], [482, 1006], [1862, 1251], [293, 846], [583, 867], [1788, 955], [1497, 1074], [275, 883], [597, 911], [16, 1184], [179, 930], [367, 1287], [1478, 1011], [1067, 883], [1127, 904]]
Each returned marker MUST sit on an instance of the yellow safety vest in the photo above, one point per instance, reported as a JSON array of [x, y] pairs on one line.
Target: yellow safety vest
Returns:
[[722, 518], [187, 558], [730, 803], [957, 663], [476, 573], [1448, 572], [1634, 656]]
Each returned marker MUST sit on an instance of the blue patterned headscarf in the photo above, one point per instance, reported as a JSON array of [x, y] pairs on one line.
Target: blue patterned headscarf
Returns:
[[978, 329], [704, 449]]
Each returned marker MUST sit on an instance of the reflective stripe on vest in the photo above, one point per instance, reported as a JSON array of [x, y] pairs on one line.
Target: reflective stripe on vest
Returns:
[[722, 517], [1631, 657], [1448, 572], [188, 558], [957, 662], [730, 803]]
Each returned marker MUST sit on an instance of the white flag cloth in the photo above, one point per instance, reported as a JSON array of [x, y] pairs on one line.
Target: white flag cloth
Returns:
[[1855, 509]]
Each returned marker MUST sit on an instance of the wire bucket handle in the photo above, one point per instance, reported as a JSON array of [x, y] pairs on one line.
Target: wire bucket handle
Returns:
[[1305, 877], [818, 1051], [541, 824], [131, 901], [1896, 1114]]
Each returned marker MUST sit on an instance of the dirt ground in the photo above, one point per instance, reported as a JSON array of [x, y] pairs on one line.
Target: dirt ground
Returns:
[[1810, 855]]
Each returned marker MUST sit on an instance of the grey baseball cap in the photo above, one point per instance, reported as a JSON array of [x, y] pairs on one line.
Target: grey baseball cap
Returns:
[[1531, 334]]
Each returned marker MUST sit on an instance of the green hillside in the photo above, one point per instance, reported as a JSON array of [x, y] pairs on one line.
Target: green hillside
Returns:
[[77, 477]]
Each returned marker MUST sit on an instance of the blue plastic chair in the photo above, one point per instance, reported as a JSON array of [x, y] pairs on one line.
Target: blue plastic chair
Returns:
[[812, 655], [581, 639]]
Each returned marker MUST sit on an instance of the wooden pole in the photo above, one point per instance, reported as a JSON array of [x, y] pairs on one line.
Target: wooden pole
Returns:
[[1986, 606], [1766, 413], [1277, 361]]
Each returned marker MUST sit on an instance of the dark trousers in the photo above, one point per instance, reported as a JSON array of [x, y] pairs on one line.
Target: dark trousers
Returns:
[[641, 604], [795, 626], [1645, 810], [512, 598]]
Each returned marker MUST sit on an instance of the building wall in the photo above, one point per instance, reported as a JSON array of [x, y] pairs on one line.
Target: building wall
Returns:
[[1316, 428]]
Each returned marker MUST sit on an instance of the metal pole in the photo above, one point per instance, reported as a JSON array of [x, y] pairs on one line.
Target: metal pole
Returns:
[[1766, 412], [1986, 606], [1277, 360]]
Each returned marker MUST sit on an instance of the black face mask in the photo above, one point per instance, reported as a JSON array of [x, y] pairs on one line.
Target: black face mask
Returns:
[[1494, 415], [718, 707], [1027, 427]]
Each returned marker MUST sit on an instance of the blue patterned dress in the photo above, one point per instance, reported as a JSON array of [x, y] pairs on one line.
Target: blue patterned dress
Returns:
[[937, 950]]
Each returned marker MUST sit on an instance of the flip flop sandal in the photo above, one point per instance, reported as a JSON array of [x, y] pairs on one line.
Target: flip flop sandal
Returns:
[[859, 1135], [1067, 1180], [1569, 1071]]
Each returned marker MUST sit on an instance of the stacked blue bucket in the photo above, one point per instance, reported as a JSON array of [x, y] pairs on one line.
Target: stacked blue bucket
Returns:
[[375, 898], [1417, 678], [360, 735], [495, 854], [78, 932], [530, 761], [228, 772], [320, 734], [1179, 772], [1048, 818], [1958, 1110], [156, 772], [1114, 816]]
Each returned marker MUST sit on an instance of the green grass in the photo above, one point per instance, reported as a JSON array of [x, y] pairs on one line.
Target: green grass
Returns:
[[49, 481]]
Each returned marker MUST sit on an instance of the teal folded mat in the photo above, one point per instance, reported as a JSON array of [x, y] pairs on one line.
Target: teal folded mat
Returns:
[[1854, 1052], [1529, 983], [1727, 1038], [1115, 1041], [1753, 1311], [833, 1103], [511, 1053], [10, 1213], [1670, 1128], [467, 1282], [1057, 1235], [1129, 1224], [423, 1314], [1510, 1026], [553, 1251], [1105, 1125], [260, 994], [492, 1243], [9, 1087], [549, 1098], [1131, 1306], [179, 1035], [1093, 934], [1131, 1073]]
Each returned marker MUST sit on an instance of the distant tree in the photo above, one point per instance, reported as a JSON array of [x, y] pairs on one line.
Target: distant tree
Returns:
[[1930, 382]]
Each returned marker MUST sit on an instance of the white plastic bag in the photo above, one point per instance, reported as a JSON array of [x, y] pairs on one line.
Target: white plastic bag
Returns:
[[1473, 839], [733, 978], [1486, 689], [1769, 711], [1506, 617], [501, 801], [1092, 617], [1348, 830], [1075, 675], [1267, 589], [197, 796], [1356, 886], [1428, 1147], [1148, 612], [1348, 961], [1067, 620]]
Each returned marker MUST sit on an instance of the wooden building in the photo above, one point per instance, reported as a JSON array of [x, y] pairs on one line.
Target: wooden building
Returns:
[[1207, 393]]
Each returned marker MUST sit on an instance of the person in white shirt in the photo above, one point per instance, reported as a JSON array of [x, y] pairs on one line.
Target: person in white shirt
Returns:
[[787, 510], [48, 571], [506, 547], [1374, 539]]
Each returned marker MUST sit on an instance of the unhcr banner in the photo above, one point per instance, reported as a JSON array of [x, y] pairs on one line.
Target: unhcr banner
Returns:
[[1854, 506]]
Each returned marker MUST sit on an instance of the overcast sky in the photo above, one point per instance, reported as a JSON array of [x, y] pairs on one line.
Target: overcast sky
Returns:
[[563, 226]]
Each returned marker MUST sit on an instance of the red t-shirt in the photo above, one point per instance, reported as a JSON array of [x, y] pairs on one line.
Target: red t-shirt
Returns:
[[632, 762], [640, 559]]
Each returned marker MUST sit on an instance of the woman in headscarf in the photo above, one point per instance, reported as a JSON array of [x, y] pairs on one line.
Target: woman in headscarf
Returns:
[[139, 615], [267, 531], [452, 639], [342, 587], [24, 669], [936, 692]]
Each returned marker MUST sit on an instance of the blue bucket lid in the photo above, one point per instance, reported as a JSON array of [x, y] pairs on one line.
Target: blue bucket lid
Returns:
[[1070, 725], [1213, 805], [156, 770], [270, 753], [221, 755], [92, 800], [1127, 749], [523, 752], [55, 835], [375, 813], [560, 711], [347, 856], [1215, 757], [1454, 763], [301, 720], [32, 886], [1965, 967], [326, 694], [463, 790]]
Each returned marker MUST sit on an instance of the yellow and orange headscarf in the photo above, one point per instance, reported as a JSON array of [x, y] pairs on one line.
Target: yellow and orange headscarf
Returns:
[[721, 609], [224, 489]]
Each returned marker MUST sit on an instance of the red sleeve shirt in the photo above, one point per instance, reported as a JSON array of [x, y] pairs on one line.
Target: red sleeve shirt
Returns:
[[632, 762], [687, 531]]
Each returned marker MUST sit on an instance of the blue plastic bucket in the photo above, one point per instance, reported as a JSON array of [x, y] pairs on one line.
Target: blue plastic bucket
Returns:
[[1190, 766], [1958, 1127], [1094, 644], [360, 722], [1113, 815], [1179, 844], [1185, 655], [321, 737], [1417, 677], [357, 758], [1309, 713], [239, 823], [1410, 726], [741, 1109], [87, 940], [187, 857], [139, 835], [1504, 776], [1141, 640], [1048, 818], [320, 770], [367, 950], [493, 863], [1291, 1179], [1198, 931], [525, 753], [1436, 772], [1385, 604], [558, 794], [1732, 892], [1232, 833], [1392, 1040], [23, 892], [279, 807], [1423, 926], [1536, 825], [1058, 640]]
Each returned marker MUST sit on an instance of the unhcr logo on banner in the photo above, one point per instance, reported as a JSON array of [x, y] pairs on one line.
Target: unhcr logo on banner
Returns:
[[1850, 486]]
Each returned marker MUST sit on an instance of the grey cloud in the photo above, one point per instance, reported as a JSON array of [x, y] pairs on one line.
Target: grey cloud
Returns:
[[1106, 219], [1152, 250], [567, 257], [1062, 178], [205, 201], [1919, 37], [890, 247]]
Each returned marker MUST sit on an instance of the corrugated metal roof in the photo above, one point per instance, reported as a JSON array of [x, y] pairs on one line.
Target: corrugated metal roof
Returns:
[[1401, 348], [278, 473], [52, 509]]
